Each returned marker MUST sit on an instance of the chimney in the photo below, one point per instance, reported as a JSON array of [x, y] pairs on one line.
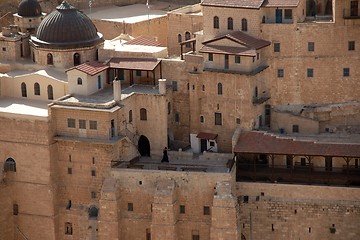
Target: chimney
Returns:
[[162, 86], [117, 89]]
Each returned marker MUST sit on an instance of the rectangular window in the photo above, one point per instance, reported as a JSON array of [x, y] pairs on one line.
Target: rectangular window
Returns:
[[211, 57], [69, 170], [130, 207], [138, 73], [93, 194], [346, 72], [71, 123], [276, 47], [82, 124], [288, 14], [310, 72], [246, 199], [280, 73], [195, 237], [218, 119], [93, 173], [93, 125], [311, 46], [4, 49], [15, 209], [257, 56], [237, 120], [295, 128], [351, 46], [182, 209], [68, 228], [206, 210], [237, 59], [174, 85]]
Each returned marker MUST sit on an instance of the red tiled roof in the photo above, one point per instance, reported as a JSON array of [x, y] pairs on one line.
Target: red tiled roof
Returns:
[[234, 3], [207, 136], [146, 64], [259, 142], [90, 68], [241, 51], [281, 3], [243, 39], [144, 41]]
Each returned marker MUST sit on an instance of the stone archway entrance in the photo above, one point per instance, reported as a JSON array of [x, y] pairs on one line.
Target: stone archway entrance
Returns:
[[144, 146]]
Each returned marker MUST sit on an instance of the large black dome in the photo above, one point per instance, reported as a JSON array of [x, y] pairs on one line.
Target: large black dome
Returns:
[[67, 27], [29, 8]]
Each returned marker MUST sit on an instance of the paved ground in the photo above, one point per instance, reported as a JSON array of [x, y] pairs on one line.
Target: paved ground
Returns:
[[131, 13]]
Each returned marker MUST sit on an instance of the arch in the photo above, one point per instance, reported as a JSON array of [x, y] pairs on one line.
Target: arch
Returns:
[[144, 146], [216, 22], [219, 88], [79, 81], [179, 38], [10, 165], [130, 116], [50, 60], [187, 37], [93, 212], [37, 89], [76, 59], [244, 27], [143, 114], [50, 92], [23, 90], [230, 23]]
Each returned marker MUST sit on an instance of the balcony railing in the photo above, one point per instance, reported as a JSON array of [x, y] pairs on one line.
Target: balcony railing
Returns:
[[346, 175]]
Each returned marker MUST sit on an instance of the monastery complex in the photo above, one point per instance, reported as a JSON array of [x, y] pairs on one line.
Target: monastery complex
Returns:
[[255, 103]]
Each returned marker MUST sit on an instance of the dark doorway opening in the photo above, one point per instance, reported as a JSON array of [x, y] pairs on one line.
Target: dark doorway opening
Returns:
[[203, 145], [144, 146]]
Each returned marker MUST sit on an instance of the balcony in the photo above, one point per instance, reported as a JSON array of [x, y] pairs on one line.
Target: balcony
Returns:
[[303, 174]]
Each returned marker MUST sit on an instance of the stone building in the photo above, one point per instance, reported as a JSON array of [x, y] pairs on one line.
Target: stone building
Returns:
[[254, 101]]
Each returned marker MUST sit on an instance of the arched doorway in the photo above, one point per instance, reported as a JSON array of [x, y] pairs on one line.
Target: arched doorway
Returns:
[[76, 59], [144, 146]]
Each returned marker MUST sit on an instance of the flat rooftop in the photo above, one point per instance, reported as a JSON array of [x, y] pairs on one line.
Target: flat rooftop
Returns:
[[131, 13], [56, 74], [190, 164], [106, 95], [24, 107]]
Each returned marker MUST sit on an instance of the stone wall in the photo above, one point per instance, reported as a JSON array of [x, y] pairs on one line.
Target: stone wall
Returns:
[[277, 211]]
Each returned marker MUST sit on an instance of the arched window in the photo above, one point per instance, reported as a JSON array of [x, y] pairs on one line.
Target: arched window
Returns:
[[202, 119], [230, 23], [93, 212], [10, 165], [219, 87], [179, 38], [216, 22], [68, 228], [130, 116], [169, 107], [37, 89], [256, 92], [177, 117], [263, 19], [244, 25], [79, 81], [23, 90], [76, 59], [50, 92], [50, 59], [203, 88], [187, 37], [143, 114]]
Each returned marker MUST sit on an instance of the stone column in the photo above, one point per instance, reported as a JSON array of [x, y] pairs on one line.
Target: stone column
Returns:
[[225, 214], [108, 223], [117, 89], [162, 86], [163, 215]]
